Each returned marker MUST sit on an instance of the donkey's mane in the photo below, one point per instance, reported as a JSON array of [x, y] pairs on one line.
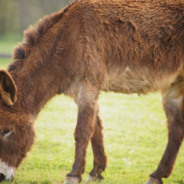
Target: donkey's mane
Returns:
[[33, 33]]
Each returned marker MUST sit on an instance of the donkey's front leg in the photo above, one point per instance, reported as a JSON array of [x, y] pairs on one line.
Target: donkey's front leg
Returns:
[[86, 101], [100, 159], [174, 108]]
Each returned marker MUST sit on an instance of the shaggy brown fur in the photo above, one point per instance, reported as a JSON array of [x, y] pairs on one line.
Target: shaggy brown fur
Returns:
[[127, 46]]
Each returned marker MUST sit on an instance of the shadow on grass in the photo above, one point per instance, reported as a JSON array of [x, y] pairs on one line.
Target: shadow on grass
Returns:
[[181, 182]]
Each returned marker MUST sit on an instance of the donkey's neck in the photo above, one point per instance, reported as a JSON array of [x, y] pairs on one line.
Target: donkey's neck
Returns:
[[43, 63], [37, 69], [36, 87]]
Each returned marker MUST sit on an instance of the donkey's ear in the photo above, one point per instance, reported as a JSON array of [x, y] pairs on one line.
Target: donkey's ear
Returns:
[[8, 89]]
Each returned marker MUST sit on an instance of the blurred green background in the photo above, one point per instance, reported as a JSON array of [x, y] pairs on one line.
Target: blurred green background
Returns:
[[17, 15]]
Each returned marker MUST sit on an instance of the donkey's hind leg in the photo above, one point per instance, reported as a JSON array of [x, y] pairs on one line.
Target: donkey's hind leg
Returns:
[[100, 159], [173, 103]]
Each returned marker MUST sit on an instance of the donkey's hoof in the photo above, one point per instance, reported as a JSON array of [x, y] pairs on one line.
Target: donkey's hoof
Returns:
[[92, 179], [152, 181], [71, 180]]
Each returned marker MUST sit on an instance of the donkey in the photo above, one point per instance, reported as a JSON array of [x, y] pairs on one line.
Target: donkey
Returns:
[[126, 46]]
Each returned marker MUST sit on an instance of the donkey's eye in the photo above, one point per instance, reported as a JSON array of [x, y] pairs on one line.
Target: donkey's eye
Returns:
[[5, 133]]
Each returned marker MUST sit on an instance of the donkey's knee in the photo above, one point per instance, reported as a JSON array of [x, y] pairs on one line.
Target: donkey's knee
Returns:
[[173, 104]]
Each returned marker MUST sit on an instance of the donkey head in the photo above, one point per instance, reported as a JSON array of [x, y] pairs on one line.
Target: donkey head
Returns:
[[16, 130]]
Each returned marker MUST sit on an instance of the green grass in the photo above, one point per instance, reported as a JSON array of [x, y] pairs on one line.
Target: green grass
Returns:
[[135, 138]]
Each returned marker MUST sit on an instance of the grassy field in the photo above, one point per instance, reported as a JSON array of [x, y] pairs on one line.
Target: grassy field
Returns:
[[135, 138]]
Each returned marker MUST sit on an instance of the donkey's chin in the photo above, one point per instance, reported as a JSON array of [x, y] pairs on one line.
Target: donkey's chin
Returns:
[[6, 172]]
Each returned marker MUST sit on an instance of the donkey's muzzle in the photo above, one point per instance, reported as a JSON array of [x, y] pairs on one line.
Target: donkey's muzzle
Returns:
[[2, 177], [6, 172]]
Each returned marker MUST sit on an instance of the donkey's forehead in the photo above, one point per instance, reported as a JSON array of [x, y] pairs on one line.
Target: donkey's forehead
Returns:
[[5, 107], [8, 122], [15, 119], [7, 116], [6, 126]]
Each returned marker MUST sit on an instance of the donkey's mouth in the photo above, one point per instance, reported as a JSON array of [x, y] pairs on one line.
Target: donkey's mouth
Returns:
[[3, 178]]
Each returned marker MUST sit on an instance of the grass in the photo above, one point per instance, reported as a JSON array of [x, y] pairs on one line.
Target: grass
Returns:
[[135, 139]]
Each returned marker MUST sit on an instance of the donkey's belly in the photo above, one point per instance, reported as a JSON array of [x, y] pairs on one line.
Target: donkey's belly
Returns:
[[138, 81], [131, 86]]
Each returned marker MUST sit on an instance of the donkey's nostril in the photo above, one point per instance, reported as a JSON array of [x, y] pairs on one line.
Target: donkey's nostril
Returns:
[[2, 177]]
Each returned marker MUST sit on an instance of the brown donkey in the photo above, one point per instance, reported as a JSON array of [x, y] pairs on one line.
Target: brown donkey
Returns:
[[127, 46]]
